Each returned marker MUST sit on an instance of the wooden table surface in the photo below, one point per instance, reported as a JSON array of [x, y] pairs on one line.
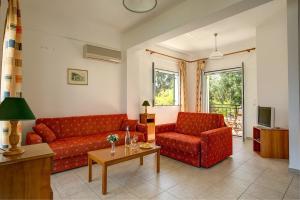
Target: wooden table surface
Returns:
[[27, 176], [105, 158], [32, 152]]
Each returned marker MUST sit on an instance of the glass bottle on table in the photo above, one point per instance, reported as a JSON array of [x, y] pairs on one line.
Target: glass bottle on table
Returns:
[[134, 141], [127, 137]]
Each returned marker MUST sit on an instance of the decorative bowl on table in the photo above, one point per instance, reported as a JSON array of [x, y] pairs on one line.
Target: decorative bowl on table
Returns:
[[146, 145]]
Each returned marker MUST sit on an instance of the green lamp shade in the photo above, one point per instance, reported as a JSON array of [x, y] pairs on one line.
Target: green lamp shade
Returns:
[[146, 103], [15, 108]]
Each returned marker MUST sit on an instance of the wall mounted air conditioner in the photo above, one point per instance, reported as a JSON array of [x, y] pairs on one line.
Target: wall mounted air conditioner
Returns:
[[101, 53]]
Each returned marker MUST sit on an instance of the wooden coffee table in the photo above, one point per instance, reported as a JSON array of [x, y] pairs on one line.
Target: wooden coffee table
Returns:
[[105, 158]]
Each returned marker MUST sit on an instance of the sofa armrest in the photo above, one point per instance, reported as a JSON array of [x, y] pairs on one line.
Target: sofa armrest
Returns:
[[143, 128], [216, 145], [33, 138], [165, 128]]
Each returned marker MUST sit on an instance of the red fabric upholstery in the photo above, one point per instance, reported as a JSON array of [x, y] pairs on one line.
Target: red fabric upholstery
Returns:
[[33, 138], [46, 133], [131, 123], [76, 146], [89, 125], [179, 142], [216, 145], [199, 139], [69, 163], [195, 123], [192, 159], [165, 128], [78, 135], [143, 128], [80, 145], [52, 123]]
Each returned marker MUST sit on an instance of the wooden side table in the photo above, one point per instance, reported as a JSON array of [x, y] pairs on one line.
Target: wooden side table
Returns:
[[104, 158], [149, 119], [27, 176], [271, 143]]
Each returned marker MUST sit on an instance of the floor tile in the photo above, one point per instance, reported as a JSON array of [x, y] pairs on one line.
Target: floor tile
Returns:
[[164, 196], [293, 192], [163, 181], [247, 196], [145, 191], [188, 191], [245, 175], [262, 192]]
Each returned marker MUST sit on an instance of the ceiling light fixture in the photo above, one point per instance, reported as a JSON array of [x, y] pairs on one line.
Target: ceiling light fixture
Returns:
[[216, 54], [139, 6]]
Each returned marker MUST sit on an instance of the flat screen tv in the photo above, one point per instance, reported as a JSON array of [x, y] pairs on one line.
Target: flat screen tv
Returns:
[[266, 116]]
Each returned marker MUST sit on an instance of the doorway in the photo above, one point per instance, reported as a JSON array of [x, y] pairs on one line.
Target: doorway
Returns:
[[224, 94]]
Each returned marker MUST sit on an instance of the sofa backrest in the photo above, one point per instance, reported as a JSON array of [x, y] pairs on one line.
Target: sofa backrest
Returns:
[[83, 125], [195, 123]]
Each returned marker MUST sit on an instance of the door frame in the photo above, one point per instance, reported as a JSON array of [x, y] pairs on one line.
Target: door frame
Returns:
[[205, 100]]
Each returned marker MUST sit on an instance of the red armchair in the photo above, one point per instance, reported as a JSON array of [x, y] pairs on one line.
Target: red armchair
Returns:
[[75, 136], [199, 139]]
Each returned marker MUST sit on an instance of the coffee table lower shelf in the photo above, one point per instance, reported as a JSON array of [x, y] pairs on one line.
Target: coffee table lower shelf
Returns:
[[104, 158]]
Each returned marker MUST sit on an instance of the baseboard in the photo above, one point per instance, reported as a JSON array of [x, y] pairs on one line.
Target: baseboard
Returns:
[[295, 171]]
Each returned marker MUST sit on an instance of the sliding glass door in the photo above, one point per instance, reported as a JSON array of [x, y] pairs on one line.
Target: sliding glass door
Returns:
[[223, 93]]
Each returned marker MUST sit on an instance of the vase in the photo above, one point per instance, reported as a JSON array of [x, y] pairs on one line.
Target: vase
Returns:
[[113, 148]]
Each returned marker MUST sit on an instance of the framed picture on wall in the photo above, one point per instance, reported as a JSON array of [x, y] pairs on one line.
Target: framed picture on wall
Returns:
[[77, 77]]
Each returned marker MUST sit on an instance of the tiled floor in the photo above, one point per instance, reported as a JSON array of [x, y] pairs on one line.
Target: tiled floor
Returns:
[[245, 175]]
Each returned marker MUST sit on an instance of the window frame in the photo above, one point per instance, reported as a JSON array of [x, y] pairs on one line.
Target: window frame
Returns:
[[154, 69]]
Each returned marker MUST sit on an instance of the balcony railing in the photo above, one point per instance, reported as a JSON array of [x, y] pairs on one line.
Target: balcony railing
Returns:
[[233, 115]]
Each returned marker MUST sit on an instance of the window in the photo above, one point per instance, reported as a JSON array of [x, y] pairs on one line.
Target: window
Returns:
[[166, 88]]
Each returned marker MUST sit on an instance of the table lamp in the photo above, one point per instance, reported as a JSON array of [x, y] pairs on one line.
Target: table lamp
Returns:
[[14, 109], [146, 103]]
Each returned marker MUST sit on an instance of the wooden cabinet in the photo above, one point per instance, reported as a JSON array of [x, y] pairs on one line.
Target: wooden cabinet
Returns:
[[27, 176], [271, 143], [149, 119]]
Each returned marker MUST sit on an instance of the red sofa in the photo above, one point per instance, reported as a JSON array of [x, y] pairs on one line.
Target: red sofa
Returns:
[[199, 139], [75, 136]]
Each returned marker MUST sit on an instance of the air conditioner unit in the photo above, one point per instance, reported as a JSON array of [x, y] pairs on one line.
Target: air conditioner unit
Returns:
[[101, 53]]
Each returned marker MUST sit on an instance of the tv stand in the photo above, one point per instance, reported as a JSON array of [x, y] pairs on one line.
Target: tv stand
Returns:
[[271, 142]]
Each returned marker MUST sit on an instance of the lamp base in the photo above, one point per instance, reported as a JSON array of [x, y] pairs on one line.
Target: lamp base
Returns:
[[13, 151], [14, 139]]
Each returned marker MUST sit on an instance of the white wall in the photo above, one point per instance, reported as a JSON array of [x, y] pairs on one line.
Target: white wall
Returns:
[[250, 70], [46, 59], [139, 82], [294, 83], [164, 114], [272, 67], [190, 15], [50, 46]]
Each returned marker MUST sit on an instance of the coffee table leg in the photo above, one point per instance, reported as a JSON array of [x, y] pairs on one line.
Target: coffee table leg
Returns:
[[158, 161], [104, 179], [90, 163], [141, 160]]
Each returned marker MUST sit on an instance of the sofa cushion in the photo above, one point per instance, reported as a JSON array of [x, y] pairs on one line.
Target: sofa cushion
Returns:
[[131, 123], [52, 123], [80, 145], [195, 123], [89, 125], [179, 142], [46, 133]]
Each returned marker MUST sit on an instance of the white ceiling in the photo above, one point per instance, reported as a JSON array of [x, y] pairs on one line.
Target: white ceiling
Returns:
[[110, 12], [237, 28]]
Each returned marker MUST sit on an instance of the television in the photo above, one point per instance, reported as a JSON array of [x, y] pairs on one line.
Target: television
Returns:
[[266, 117]]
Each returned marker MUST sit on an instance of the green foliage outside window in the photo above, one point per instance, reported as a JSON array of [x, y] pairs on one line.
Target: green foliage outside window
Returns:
[[225, 91], [164, 88]]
